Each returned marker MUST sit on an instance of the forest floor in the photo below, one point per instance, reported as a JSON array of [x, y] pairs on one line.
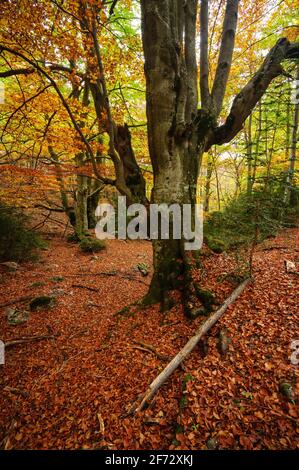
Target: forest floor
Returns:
[[72, 390]]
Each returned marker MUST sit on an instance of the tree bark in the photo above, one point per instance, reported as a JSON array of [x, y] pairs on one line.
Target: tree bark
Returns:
[[292, 193], [175, 149]]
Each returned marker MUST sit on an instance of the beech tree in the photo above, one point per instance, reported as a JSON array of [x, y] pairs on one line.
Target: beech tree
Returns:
[[182, 125], [59, 42]]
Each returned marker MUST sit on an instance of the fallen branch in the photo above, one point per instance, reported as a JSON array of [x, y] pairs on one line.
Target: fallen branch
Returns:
[[15, 342], [187, 349], [105, 274], [16, 301], [85, 287], [151, 349]]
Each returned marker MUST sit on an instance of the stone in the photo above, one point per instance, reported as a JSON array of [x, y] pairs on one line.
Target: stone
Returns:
[[11, 265], [16, 317]]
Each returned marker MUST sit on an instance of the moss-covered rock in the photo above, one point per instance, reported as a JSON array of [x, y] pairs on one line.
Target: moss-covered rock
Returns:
[[73, 238], [216, 244], [16, 317], [42, 302], [92, 245], [207, 298]]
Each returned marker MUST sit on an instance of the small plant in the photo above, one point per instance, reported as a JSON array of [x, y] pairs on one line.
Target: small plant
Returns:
[[143, 268], [247, 395], [57, 278], [17, 241], [91, 245]]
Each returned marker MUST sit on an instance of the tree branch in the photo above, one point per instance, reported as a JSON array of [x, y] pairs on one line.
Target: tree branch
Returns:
[[13, 72], [225, 55], [253, 91], [204, 55]]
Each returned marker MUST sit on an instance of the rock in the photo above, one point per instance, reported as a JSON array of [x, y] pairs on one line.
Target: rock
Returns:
[[207, 298], [42, 302], [58, 292], [223, 341], [16, 317], [212, 444], [290, 267], [286, 389], [11, 265]]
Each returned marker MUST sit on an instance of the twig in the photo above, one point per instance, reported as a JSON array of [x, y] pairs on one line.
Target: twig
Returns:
[[16, 301], [85, 287], [151, 349]]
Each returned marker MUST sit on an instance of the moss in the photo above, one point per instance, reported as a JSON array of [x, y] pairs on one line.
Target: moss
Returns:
[[37, 284], [73, 238], [57, 278], [186, 379], [91, 245], [41, 302], [207, 298], [216, 244]]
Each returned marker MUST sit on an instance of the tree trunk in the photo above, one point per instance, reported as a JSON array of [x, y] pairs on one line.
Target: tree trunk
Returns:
[[175, 149], [292, 192], [132, 172], [208, 183], [81, 203], [179, 132]]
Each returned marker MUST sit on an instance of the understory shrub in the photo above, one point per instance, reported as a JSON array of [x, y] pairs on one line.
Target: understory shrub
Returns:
[[17, 241]]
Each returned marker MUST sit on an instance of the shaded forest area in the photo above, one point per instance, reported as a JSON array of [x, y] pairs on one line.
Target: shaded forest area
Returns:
[[127, 344]]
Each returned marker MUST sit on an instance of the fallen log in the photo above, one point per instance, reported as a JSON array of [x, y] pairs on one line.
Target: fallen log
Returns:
[[187, 349]]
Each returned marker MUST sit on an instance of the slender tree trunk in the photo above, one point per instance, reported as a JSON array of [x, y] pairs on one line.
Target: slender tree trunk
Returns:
[[81, 202], [249, 155], [292, 192], [208, 183]]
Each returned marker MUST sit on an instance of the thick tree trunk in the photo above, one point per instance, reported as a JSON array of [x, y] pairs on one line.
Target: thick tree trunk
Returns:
[[179, 132], [132, 172], [171, 77]]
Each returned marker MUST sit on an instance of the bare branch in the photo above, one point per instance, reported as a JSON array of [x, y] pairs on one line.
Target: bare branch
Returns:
[[225, 55]]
